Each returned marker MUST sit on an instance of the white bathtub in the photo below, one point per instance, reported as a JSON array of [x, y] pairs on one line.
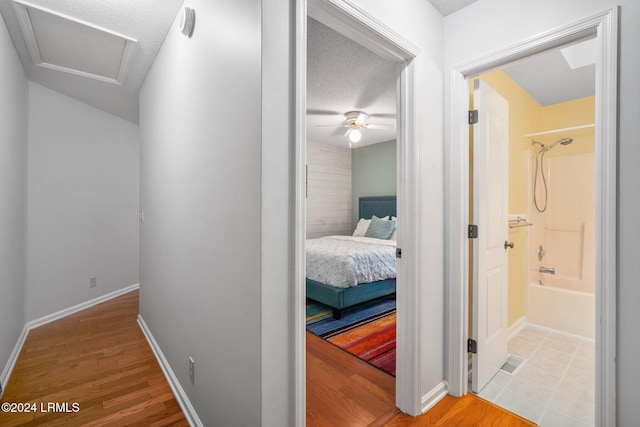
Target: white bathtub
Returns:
[[565, 310]]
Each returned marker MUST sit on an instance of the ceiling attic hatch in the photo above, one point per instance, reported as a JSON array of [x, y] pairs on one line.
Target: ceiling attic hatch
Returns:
[[62, 43]]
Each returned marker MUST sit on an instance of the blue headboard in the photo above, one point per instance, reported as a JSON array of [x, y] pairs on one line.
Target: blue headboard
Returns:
[[379, 206]]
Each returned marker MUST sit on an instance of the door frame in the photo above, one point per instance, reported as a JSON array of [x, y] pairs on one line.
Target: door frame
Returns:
[[605, 26], [355, 23]]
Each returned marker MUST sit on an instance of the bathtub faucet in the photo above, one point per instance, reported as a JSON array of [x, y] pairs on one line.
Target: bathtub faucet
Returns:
[[547, 270]]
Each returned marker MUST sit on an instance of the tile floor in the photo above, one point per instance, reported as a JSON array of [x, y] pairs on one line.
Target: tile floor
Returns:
[[555, 386]]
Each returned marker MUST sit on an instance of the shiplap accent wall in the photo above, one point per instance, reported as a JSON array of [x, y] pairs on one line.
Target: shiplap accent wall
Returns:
[[328, 190]]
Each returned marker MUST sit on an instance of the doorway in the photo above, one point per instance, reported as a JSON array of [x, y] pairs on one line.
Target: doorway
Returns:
[[603, 27], [545, 367], [360, 27]]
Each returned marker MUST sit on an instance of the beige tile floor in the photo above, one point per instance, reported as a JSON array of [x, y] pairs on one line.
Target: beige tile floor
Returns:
[[555, 386]]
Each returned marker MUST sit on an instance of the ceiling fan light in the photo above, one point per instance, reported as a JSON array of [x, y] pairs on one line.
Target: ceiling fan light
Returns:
[[355, 135]]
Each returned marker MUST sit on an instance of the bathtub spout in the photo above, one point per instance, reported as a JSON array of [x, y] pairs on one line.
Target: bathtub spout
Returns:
[[549, 270]]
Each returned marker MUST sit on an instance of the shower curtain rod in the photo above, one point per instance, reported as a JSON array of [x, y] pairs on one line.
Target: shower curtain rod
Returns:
[[529, 135]]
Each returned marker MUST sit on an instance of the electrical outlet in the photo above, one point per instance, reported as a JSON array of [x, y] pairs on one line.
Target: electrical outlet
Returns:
[[191, 370], [93, 282]]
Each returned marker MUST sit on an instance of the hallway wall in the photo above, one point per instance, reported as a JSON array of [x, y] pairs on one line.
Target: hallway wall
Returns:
[[82, 202], [13, 201], [201, 191]]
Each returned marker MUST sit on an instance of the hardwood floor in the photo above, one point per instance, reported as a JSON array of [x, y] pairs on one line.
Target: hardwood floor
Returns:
[[99, 359], [343, 390]]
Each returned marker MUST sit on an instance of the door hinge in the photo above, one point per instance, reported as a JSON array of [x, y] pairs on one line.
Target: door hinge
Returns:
[[473, 117], [472, 346], [472, 231], [398, 253]]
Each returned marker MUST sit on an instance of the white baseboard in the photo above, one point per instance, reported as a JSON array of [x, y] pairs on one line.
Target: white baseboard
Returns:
[[516, 327], [182, 398], [79, 307], [557, 331], [32, 324], [430, 399], [13, 358]]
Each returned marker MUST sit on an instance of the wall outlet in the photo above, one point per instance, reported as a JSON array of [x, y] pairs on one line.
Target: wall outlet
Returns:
[[191, 370], [93, 282]]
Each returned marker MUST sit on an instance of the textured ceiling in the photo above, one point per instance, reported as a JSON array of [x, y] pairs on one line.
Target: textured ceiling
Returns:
[[147, 21], [343, 76]]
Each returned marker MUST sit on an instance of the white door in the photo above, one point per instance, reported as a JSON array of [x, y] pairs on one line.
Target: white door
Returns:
[[490, 197]]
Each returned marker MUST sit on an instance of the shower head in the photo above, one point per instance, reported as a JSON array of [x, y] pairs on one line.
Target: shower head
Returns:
[[534, 142], [544, 147], [563, 141]]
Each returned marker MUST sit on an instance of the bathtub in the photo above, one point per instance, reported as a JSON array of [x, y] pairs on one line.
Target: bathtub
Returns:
[[554, 306]]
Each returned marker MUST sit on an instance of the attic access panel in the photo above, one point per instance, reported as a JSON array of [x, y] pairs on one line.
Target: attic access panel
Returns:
[[66, 44]]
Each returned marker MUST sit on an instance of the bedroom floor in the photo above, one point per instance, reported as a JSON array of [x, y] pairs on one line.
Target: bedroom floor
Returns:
[[343, 390], [554, 386]]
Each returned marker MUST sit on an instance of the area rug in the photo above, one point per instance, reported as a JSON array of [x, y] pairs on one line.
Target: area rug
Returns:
[[367, 331]]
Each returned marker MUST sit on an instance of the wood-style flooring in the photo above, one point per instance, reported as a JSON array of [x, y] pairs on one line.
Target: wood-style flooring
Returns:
[[99, 359], [343, 390]]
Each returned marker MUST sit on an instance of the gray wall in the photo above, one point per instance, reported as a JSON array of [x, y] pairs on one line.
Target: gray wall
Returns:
[[522, 20], [13, 181], [373, 173], [83, 202], [201, 189]]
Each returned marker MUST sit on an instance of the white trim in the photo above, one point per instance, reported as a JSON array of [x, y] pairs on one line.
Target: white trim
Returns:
[[456, 244], [349, 19], [557, 331], [605, 25], [355, 23], [430, 399], [515, 329], [32, 324], [182, 398], [13, 358], [606, 217], [300, 214], [79, 307], [408, 325]]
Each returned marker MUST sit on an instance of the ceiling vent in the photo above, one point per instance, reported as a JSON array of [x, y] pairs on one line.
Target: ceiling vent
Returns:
[[66, 44]]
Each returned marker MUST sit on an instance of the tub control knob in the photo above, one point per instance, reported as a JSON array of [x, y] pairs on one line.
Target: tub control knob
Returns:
[[508, 245]]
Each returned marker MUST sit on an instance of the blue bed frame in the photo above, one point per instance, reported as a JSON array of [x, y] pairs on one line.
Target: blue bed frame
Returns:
[[341, 298]]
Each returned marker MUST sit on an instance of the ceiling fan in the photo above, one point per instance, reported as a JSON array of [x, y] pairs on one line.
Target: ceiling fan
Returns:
[[356, 121]]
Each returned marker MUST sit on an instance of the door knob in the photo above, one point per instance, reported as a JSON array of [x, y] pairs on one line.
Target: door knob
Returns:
[[508, 245]]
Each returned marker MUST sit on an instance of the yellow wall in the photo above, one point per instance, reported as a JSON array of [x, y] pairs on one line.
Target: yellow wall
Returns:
[[527, 116], [565, 115]]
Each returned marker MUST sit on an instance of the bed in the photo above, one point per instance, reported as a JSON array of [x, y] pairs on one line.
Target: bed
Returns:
[[356, 287]]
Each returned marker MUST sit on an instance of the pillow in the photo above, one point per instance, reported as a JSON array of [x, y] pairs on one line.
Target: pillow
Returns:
[[361, 228], [380, 228], [363, 225], [393, 236]]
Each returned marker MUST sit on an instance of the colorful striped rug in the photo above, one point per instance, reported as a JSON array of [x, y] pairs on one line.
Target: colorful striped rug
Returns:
[[368, 331]]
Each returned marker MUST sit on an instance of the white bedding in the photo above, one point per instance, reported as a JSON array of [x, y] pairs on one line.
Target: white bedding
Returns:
[[345, 261]]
